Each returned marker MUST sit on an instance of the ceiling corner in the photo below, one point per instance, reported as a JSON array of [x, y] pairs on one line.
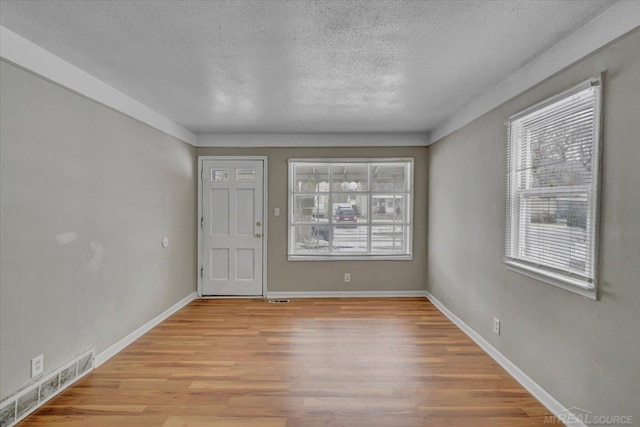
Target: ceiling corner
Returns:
[[25, 54], [621, 18]]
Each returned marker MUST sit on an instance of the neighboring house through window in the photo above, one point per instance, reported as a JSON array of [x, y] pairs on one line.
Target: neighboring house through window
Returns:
[[350, 209]]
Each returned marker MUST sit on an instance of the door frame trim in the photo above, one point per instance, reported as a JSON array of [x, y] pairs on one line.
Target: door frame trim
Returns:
[[265, 214]]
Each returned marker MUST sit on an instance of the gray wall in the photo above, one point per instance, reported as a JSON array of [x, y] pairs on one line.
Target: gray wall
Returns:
[[325, 276], [86, 196], [585, 353]]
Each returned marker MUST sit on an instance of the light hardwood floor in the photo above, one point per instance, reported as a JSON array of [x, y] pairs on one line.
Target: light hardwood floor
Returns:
[[314, 362]]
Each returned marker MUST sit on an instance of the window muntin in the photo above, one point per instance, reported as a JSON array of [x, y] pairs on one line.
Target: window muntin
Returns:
[[350, 208], [552, 197], [219, 175]]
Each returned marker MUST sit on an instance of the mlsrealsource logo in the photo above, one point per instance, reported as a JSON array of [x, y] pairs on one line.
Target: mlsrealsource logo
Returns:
[[578, 415]]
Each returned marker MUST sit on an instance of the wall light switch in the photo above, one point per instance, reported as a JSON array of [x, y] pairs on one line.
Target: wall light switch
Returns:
[[276, 211]]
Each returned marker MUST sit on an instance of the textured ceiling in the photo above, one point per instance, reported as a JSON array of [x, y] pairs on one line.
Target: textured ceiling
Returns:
[[300, 66]]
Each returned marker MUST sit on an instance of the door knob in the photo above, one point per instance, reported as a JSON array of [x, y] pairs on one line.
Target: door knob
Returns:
[[258, 234]]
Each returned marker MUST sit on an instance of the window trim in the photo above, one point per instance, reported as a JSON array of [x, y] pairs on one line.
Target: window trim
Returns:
[[546, 274], [352, 257]]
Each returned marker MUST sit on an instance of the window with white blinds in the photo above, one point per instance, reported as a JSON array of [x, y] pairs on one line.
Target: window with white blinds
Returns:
[[552, 182]]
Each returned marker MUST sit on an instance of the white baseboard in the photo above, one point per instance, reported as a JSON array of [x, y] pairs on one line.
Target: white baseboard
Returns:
[[550, 402], [124, 342], [353, 294]]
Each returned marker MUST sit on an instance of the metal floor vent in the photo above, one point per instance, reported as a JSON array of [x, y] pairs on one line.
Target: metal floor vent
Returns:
[[278, 301]]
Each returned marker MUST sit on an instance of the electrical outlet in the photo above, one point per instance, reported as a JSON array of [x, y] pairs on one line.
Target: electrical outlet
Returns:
[[276, 211], [496, 326], [37, 365], [347, 277]]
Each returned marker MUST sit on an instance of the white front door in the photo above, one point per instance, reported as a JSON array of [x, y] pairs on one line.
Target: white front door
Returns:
[[232, 227]]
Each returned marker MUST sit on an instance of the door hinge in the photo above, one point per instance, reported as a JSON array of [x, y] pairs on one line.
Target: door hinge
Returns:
[[202, 272], [202, 223]]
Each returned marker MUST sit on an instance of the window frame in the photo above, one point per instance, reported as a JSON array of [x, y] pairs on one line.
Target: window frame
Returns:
[[563, 279], [291, 256]]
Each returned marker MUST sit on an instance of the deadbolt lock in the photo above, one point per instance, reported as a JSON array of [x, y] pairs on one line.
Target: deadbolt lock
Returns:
[[258, 223], [258, 234]]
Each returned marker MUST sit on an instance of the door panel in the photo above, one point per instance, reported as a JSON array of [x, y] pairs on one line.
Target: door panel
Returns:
[[232, 242], [245, 264], [219, 211], [219, 264], [245, 211]]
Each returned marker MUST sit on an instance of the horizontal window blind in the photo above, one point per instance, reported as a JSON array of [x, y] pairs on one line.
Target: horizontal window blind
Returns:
[[552, 183]]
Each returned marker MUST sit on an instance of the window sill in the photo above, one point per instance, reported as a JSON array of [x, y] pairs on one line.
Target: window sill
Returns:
[[349, 257], [568, 284]]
